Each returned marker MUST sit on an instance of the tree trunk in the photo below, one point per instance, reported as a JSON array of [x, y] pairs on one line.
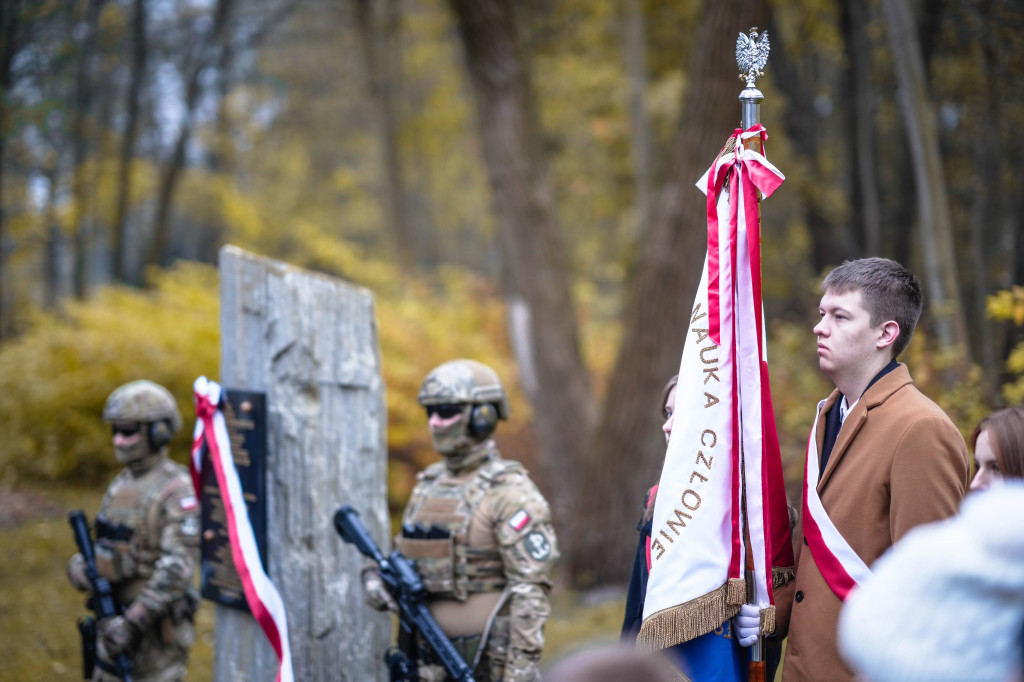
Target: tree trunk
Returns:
[[635, 50], [81, 197], [157, 253], [866, 201], [9, 13], [535, 278], [132, 114], [627, 450], [941, 279], [800, 78], [378, 30], [53, 246]]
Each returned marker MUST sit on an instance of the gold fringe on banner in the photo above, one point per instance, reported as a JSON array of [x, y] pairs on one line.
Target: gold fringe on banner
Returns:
[[782, 575], [696, 617], [768, 620]]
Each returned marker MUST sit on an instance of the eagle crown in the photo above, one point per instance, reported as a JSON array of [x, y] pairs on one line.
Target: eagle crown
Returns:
[[751, 55]]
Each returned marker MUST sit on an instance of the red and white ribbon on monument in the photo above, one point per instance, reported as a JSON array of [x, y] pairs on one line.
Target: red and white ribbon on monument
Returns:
[[840, 566], [264, 601]]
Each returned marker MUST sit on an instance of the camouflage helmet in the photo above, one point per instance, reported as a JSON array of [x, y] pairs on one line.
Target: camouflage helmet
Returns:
[[142, 401], [464, 382]]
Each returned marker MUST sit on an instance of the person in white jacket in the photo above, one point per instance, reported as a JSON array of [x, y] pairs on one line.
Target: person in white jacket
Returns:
[[947, 602]]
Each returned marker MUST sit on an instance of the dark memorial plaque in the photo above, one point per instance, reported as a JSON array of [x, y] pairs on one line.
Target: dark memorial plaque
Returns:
[[245, 413]]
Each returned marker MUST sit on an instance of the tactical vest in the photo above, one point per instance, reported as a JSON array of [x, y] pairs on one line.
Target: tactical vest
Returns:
[[128, 529], [449, 567]]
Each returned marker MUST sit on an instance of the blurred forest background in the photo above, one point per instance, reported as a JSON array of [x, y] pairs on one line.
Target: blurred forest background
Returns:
[[514, 181]]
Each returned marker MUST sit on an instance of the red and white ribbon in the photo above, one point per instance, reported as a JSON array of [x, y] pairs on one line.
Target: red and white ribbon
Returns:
[[753, 173], [840, 566], [264, 601]]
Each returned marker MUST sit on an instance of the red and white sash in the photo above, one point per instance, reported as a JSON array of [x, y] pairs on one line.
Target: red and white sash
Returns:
[[840, 566], [264, 601]]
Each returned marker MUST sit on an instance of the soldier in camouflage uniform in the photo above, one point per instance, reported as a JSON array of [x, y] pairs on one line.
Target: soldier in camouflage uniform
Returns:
[[479, 531], [147, 539]]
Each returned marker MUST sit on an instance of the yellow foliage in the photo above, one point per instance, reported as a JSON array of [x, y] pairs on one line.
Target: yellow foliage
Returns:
[[1008, 304], [55, 378]]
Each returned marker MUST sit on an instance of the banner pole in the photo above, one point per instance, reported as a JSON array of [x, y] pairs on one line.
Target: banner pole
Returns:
[[751, 56]]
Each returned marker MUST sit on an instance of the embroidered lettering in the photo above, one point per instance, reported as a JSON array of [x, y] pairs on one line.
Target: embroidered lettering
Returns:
[[661, 550], [712, 400], [682, 524], [691, 492], [714, 438], [707, 460]]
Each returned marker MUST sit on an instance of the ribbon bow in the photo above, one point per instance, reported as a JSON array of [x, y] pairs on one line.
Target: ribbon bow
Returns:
[[747, 172]]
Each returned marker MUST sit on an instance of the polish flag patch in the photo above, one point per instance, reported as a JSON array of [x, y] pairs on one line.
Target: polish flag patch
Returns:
[[188, 503], [519, 519]]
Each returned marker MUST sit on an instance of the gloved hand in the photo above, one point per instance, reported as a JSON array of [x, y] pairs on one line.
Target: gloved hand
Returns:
[[376, 593], [118, 635], [746, 625], [76, 573]]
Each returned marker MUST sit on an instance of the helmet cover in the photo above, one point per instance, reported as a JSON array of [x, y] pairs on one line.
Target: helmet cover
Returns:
[[143, 402]]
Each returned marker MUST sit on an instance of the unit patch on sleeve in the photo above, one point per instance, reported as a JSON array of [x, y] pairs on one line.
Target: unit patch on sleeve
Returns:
[[537, 545]]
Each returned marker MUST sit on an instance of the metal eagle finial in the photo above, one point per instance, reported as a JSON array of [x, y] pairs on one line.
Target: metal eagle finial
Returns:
[[751, 55]]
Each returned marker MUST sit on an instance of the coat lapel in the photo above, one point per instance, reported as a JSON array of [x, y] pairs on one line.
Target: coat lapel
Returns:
[[876, 395]]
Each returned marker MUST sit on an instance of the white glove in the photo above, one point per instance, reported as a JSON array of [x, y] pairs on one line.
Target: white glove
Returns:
[[746, 625], [375, 592]]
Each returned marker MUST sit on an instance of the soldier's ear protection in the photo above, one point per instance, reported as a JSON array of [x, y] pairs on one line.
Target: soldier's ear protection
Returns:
[[159, 434], [483, 419]]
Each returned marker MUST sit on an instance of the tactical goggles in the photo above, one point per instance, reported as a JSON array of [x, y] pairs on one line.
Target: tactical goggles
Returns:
[[446, 411], [126, 430]]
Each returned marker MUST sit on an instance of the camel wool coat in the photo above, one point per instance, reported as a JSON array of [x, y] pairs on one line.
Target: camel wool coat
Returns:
[[898, 462]]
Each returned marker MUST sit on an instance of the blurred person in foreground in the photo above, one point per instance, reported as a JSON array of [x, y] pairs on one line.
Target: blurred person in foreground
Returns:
[[889, 458], [147, 539], [693, 656], [614, 664], [947, 603], [480, 533]]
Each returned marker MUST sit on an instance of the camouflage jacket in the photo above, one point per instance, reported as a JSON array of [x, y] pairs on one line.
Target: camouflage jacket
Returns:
[[501, 541], [147, 537]]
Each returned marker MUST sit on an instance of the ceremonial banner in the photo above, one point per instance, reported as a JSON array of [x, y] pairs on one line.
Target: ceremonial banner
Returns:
[[260, 594], [724, 449]]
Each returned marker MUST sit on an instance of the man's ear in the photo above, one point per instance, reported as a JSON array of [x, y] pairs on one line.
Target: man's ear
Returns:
[[888, 333]]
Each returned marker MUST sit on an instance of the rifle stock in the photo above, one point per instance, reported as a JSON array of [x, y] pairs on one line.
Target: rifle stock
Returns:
[[403, 582], [102, 599]]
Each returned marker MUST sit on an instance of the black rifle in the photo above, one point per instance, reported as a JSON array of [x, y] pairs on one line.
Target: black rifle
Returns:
[[403, 582], [101, 601]]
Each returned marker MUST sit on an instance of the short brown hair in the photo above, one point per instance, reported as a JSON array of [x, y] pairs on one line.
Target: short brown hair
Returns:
[[889, 292], [1006, 433]]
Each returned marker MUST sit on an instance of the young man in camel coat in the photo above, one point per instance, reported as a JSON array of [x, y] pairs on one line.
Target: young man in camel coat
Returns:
[[886, 457]]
